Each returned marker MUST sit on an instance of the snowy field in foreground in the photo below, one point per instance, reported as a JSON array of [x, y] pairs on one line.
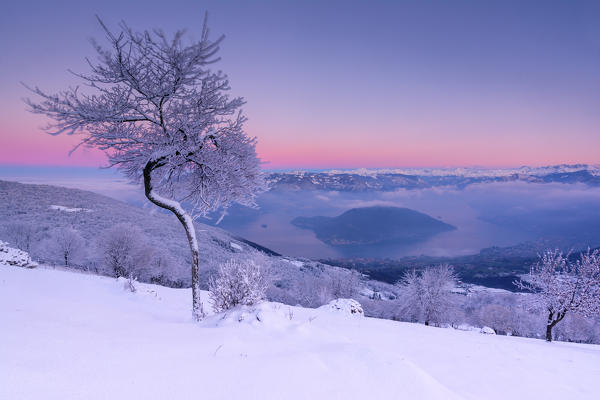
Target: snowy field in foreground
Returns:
[[65, 335]]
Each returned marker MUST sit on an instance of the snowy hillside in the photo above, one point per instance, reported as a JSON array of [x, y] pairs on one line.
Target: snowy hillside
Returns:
[[43, 208], [68, 335]]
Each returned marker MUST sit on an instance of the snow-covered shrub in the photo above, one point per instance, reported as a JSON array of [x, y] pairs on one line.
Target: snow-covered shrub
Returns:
[[344, 284], [345, 306], [129, 284], [64, 246], [237, 282], [124, 251], [504, 312], [427, 296], [314, 285], [15, 257], [313, 290], [576, 328], [20, 234], [385, 309], [487, 330], [498, 317]]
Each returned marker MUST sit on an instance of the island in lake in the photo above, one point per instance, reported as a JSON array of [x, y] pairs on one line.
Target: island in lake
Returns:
[[377, 225]]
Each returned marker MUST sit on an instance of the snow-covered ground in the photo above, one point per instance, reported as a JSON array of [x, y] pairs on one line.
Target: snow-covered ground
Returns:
[[66, 335], [68, 209], [15, 257]]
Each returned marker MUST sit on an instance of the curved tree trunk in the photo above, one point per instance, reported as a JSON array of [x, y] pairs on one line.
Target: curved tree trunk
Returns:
[[190, 231]]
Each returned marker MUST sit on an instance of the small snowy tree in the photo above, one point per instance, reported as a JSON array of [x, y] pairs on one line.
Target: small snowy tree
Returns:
[[66, 245], [575, 328], [428, 295], [410, 297], [498, 317], [165, 119], [561, 286], [124, 251], [21, 234], [237, 283], [345, 284]]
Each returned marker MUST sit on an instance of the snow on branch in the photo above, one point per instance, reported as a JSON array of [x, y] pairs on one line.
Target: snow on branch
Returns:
[[152, 100], [561, 286]]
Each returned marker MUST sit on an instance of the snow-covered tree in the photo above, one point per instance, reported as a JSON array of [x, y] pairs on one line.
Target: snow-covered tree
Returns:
[[498, 317], [411, 306], [66, 245], [575, 328], [237, 282], [165, 119], [345, 284], [21, 234], [428, 296], [561, 286], [124, 251]]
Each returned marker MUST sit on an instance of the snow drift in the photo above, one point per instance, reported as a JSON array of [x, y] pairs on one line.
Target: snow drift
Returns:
[[68, 335]]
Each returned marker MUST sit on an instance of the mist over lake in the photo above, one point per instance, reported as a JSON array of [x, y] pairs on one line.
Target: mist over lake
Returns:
[[485, 215], [565, 215]]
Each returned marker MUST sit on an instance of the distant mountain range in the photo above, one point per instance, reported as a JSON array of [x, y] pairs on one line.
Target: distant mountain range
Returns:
[[416, 178], [369, 226]]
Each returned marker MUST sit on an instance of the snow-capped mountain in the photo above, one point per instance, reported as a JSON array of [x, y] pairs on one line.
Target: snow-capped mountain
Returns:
[[412, 178]]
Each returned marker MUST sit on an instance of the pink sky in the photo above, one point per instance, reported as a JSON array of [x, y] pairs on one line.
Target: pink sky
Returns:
[[349, 84], [25, 144]]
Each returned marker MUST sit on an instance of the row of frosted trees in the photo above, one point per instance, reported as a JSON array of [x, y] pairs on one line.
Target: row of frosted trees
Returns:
[[121, 250], [558, 286]]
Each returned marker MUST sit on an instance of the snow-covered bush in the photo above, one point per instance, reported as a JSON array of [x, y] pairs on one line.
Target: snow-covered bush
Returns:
[[20, 234], [498, 317], [487, 330], [345, 306], [312, 290], [129, 284], [64, 246], [312, 285], [15, 257], [345, 285], [576, 328], [427, 296], [237, 282], [124, 251]]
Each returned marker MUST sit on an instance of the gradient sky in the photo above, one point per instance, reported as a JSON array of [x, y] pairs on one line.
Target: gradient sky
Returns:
[[347, 83]]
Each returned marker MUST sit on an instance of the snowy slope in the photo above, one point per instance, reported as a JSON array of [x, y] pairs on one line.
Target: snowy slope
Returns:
[[47, 207], [66, 335]]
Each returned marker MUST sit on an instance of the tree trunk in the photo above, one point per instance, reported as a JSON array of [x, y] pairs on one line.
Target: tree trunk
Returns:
[[190, 231], [549, 333], [549, 326], [552, 323]]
